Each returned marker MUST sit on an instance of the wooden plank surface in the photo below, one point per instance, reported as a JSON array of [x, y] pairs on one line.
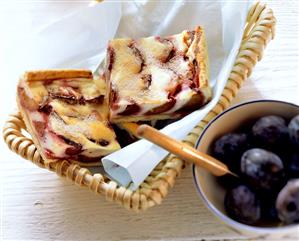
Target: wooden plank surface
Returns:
[[37, 204]]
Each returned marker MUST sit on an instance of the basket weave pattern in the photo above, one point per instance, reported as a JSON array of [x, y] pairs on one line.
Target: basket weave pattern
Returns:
[[259, 30]]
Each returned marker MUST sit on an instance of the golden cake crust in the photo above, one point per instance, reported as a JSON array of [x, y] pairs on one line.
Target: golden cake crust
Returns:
[[66, 114], [157, 78], [56, 74]]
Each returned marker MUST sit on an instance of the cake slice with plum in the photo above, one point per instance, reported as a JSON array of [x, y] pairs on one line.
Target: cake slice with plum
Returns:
[[66, 113], [157, 77]]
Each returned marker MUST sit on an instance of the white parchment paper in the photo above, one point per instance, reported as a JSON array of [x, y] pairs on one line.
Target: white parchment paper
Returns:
[[79, 40], [223, 22]]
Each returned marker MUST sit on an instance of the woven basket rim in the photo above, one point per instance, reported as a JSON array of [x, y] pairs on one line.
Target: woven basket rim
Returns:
[[259, 30]]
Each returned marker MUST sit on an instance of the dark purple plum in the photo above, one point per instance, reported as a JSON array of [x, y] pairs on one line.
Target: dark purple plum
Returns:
[[242, 205], [270, 132], [262, 169], [287, 203], [229, 149]]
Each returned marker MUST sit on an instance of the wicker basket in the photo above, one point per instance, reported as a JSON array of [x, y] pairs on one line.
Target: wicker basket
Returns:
[[258, 32]]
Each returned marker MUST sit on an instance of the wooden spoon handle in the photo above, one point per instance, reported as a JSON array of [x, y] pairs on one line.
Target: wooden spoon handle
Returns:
[[182, 150]]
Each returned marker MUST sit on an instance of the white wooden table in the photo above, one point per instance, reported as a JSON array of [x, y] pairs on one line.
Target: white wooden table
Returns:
[[37, 204]]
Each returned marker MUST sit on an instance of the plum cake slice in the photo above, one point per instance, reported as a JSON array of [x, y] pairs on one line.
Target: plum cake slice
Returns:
[[66, 113], [157, 78]]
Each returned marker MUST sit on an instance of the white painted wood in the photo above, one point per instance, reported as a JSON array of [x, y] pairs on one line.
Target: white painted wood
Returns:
[[37, 204]]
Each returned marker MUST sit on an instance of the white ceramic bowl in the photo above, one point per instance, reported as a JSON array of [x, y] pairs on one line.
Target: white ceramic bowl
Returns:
[[210, 191]]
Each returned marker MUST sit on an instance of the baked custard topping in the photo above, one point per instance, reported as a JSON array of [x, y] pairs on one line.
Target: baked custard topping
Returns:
[[66, 112], [157, 78]]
